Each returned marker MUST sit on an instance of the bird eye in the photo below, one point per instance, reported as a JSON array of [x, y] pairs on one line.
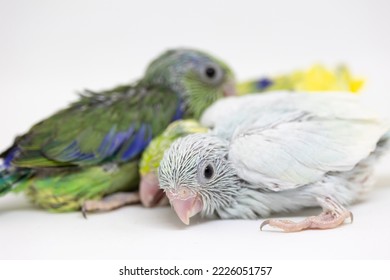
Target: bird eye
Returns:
[[212, 74], [208, 171]]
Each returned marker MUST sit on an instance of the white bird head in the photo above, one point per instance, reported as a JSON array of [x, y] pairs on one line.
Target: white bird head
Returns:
[[197, 177]]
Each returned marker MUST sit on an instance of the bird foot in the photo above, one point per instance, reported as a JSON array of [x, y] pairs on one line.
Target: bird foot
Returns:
[[333, 215], [110, 202], [150, 193]]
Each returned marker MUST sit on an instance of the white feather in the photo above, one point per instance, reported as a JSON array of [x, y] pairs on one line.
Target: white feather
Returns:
[[339, 104], [279, 152], [281, 140]]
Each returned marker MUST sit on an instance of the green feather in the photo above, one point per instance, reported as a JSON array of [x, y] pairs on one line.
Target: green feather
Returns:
[[153, 154], [66, 190], [66, 154]]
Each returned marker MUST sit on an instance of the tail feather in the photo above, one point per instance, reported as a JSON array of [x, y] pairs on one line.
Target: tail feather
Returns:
[[10, 178], [383, 145]]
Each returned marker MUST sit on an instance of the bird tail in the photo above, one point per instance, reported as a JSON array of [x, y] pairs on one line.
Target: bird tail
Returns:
[[383, 145], [382, 148], [9, 178]]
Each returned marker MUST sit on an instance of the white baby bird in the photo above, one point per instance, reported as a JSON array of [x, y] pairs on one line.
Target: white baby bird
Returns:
[[276, 152]]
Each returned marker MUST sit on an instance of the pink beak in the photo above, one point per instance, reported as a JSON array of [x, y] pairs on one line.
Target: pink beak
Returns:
[[229, 89], [185, 202]]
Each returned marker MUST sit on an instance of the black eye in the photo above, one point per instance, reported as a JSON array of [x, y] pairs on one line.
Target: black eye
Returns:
[[210, 72], [208, 172]]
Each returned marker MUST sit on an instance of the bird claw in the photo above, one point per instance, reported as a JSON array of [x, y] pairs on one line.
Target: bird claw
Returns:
[[333, 215], [263, 224], [84, 211], [351, 216]]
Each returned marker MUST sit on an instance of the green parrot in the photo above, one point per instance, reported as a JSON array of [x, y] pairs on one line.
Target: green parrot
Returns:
[[85, 155], [315, 78]]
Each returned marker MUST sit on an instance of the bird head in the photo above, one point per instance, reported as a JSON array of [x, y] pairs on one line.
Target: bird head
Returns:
[[150, 192], [197, 177], [197, 77]]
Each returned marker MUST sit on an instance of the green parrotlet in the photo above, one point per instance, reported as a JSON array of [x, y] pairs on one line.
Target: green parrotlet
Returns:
[[83, 156]]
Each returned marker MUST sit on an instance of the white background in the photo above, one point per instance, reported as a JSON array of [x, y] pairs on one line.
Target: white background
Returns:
[[50, 49]]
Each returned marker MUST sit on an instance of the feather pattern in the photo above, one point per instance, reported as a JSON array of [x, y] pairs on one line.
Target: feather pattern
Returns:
[[63, 160], [278, 152]]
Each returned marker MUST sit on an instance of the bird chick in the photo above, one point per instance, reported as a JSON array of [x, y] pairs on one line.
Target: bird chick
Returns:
[[273, 153]]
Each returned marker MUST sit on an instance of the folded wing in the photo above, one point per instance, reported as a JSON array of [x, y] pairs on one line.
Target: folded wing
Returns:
[[298, 140]]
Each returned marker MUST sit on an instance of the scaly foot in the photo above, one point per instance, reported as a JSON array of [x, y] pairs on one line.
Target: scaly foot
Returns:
[[333, 215], [110, 202]]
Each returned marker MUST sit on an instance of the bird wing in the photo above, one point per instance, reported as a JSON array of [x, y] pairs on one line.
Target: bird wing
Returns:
[[111, 126], [291, 145], [322, 103]]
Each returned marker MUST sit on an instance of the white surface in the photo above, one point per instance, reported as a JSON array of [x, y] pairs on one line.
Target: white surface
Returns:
[[49, 49]]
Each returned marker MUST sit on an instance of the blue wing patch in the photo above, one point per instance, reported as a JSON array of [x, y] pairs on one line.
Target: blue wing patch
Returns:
[[124, 144], [140, 141], [113, 141], [179, 111], [9, 157], [73, 153]]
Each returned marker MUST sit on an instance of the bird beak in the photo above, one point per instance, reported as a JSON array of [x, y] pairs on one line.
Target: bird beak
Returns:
[[229, 89], [185, 202], [150, 193]]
